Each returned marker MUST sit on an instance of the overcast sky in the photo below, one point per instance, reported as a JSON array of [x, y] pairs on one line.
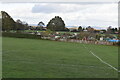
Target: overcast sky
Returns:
[[73, 14]]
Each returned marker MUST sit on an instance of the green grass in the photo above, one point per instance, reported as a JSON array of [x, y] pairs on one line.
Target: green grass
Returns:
[[31, 58]]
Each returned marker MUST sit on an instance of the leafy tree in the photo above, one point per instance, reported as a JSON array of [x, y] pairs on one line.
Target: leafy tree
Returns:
[[80, 28], [109, 30], [90, 29], [56, 24], [104, 31], [26, 27], [40, 26], [83, 29], [112, 30], [7, 22], [21, 25], [116, 29]]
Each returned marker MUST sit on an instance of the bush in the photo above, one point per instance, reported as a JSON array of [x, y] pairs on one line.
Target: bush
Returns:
[[21, 35]]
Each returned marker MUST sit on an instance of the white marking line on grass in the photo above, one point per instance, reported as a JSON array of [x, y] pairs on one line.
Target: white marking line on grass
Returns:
[[102, 60]]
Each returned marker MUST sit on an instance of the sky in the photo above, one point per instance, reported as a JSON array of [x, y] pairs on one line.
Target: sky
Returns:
[[97, 14]]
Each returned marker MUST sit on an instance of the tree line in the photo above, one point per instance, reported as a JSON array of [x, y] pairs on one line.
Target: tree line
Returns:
[[55, 24]]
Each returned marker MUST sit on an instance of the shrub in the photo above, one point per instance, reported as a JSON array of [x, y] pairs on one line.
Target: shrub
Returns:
[[21, 35]]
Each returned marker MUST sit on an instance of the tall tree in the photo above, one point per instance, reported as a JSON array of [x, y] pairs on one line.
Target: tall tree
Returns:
[[109, 30], [90, 29], [25, 24], [56, 24], [21, 25], [113, 30], [40, 25], [116, 29], [80, 28], [7, 22]]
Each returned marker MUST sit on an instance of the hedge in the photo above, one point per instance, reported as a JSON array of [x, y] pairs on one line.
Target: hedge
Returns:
[[21, 35]]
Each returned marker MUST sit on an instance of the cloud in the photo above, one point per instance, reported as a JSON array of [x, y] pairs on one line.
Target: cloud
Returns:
[[29, 1], [54, 8], [45, 8], [74, 14], [68, 7]]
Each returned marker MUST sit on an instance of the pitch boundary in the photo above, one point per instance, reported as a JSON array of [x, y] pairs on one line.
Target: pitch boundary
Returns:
[[101, 59]]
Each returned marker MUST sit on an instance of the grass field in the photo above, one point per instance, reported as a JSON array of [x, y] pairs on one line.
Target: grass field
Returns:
[[30, 58]]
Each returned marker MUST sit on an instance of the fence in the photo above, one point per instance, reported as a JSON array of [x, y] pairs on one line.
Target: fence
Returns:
[[88, 42]]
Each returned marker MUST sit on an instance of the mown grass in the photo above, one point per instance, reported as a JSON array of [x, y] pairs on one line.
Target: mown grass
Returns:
[[31, 58]]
